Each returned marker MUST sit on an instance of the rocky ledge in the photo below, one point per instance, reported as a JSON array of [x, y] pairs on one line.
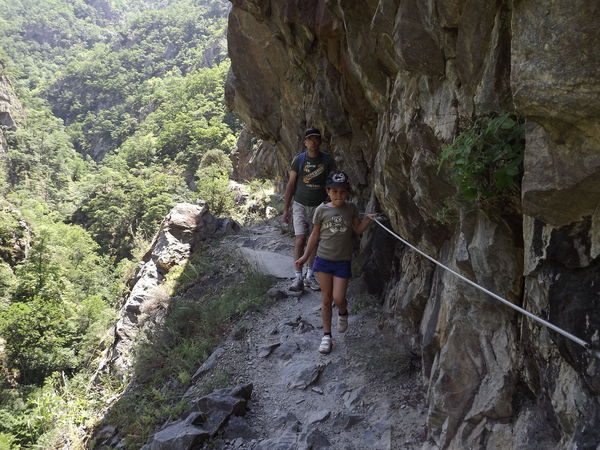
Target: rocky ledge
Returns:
[[391, 83]]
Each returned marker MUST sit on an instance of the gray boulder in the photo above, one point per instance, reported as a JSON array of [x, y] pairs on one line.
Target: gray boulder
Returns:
[[301, 374], [209, 414]]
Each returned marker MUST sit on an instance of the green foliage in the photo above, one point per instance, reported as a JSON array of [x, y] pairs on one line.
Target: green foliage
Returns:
[[58, 311], [8, 281], [40, 36], [11, 231], [54, 415], [486, 160], [213, 188], [196, 268], [60, 304], [189, 116], [218, 158], [39, 338], [98, 94], [261, 201], [7, 441], [139, 80], [42, 162], [193, 326], [122, 205], [64, 261]]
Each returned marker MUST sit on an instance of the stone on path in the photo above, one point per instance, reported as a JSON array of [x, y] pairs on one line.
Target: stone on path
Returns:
[[237, 427], [287, 420], [346, 421], [279, 266], [300, 325], [301, 374], [318, 416], [210, 413], [276, 294], [352, 398], [210, 362], [314, 440], [285, 441], [266, 350], [180, 436], [296, 294], [287, 350]]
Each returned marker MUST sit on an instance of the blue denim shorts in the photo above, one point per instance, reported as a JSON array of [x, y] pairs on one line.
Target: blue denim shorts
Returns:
[[340, 269]]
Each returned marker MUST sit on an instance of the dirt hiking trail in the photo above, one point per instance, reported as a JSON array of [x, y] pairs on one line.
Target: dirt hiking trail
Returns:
[[366, 394]]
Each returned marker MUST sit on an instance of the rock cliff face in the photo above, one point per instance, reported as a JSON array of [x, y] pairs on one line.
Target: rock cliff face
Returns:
[[14, 245], [10, 109], [390, 83], [255, 158]]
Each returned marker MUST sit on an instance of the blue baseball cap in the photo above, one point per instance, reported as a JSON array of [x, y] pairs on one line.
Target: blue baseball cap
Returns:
[[337, 179], [312, 132]]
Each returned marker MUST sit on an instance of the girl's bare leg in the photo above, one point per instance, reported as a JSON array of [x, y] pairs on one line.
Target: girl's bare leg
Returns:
[[326, 282], [340, 286]]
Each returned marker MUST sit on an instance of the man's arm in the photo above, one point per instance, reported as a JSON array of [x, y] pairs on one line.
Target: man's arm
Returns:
[[289, 193]]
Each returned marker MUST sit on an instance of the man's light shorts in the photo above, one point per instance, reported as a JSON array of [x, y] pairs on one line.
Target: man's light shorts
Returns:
[[303, 218]]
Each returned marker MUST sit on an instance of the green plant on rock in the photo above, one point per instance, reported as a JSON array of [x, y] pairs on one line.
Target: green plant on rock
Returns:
[[260, 203], [218, 157], [213, 188], [485, 161]]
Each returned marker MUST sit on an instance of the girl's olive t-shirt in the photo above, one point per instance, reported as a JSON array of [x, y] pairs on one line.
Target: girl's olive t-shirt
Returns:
[[335, 242]]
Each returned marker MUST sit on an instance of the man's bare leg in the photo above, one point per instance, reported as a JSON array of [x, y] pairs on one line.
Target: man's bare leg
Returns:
[[312, 280], [299, 251], [298, 283]]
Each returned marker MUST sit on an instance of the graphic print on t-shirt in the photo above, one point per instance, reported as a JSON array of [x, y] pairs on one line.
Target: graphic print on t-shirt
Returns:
[[335, 224], [311, 171]]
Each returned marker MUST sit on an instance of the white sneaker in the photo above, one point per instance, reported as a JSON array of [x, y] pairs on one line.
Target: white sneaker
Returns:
[[325, 346], [342, 323], [312, 283], [297, 285]]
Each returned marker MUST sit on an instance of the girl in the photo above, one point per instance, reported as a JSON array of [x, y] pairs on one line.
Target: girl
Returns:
[[334, 223]]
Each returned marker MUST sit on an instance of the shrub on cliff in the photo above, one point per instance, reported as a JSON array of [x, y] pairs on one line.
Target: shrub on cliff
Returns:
[[485, 161], [213, 188]]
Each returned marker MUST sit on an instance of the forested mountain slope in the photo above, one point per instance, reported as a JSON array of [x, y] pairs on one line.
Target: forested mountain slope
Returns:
[[107, 111]]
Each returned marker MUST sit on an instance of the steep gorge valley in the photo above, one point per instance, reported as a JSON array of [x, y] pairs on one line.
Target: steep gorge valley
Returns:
[[474, 127]]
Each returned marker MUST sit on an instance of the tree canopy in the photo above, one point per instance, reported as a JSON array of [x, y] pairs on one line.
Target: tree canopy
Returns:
[[122, 100]]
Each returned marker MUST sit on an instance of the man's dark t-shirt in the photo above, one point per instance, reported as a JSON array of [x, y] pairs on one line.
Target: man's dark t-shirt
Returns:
[[310, 185]]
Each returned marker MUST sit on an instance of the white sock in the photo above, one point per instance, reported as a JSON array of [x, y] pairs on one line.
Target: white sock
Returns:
[[309, 272], [298, 275]]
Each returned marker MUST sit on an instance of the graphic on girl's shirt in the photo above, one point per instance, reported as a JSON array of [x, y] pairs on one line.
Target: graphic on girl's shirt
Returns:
[[335, 224]]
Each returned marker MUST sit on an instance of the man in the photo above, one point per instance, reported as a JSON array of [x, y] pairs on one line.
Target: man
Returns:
[[306, 186]]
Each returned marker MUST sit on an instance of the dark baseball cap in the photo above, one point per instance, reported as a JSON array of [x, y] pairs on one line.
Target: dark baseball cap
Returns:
[[337, 179], [312, 132]]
